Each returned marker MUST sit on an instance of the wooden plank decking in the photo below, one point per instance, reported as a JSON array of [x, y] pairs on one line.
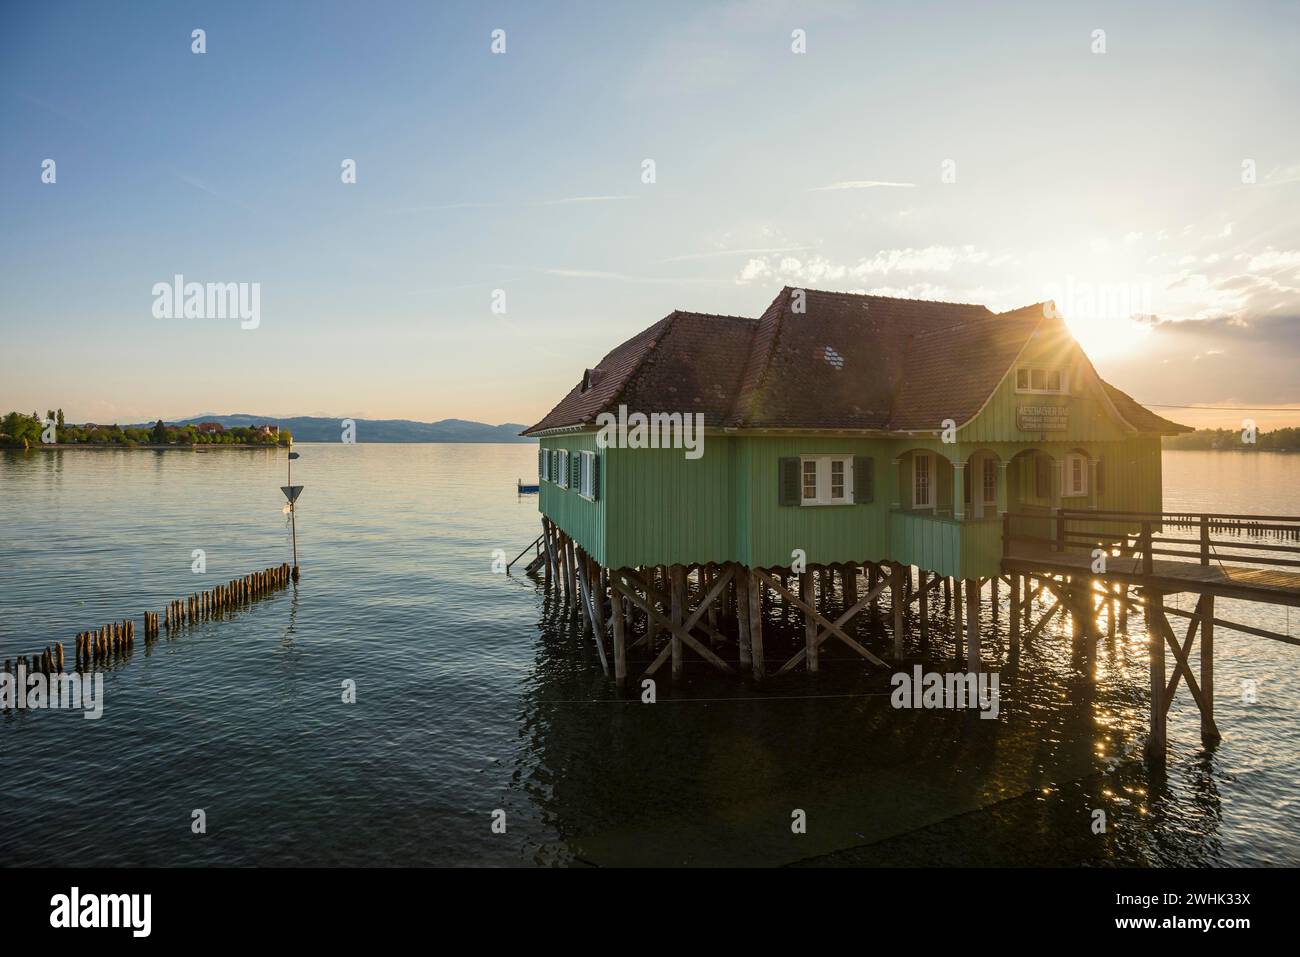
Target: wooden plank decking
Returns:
[[1272, 585]]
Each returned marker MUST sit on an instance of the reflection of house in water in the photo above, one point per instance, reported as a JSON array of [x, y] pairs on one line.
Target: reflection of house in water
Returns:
[[712, 774]]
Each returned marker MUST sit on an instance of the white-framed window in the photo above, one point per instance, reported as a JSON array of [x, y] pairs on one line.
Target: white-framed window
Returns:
[[586, 472], [1076, 475], [923, 480], [562, 468], [1033, 379], [826, 479], [989, 482]]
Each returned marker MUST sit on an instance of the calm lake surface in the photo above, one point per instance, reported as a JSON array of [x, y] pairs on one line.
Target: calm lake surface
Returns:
[[474, 694]]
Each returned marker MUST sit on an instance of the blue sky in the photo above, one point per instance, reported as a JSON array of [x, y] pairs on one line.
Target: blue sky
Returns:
[[1108, 178]]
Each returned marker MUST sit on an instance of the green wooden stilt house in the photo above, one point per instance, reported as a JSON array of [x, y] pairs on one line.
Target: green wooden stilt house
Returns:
[[842, 434]]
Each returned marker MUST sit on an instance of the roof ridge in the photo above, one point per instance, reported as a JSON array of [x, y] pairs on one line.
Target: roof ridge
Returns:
[[871, 295], [745, 396], [713, 315]]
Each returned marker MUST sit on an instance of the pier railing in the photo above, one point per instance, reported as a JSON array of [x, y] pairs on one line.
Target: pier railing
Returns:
[[1220, 538]]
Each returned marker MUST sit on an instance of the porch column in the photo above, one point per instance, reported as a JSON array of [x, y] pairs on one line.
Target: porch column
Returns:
[[959, 491], [1002, 488]]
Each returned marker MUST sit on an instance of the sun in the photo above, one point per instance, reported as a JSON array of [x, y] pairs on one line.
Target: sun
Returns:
[[1107, 335]]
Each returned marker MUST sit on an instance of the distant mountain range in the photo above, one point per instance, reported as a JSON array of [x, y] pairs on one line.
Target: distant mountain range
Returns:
[[308, 428]]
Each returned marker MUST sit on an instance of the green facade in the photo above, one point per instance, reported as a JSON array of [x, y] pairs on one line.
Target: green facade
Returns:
[[658, 507]]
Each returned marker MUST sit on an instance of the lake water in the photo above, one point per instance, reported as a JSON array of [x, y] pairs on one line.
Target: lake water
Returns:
[[474, 693]]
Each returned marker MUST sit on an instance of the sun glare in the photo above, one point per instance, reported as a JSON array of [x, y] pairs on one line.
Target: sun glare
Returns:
[[1107, 335]]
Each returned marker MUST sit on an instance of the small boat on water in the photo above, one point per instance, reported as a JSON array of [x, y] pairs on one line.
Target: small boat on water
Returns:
[[525, 489]]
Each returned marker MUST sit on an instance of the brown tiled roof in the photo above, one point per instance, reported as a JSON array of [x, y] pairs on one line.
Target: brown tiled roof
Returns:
[[686, 361], [953, 369], [845, 362]]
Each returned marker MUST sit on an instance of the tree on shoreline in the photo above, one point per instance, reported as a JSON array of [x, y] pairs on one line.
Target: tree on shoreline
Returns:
[[1230, 440], [21, 431]]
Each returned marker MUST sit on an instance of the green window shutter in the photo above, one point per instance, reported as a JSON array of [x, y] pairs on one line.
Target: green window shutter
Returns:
[[575, 471], [541, 464], [864, 479], [595, 478], [788, 482]]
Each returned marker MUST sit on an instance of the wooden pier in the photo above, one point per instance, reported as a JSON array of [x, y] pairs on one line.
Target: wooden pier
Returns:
[[1142, 564]]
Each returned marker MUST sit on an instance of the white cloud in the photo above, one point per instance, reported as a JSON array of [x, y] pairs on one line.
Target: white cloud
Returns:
[[584, 199], [929, 259], [1271, 259], [861, 184]]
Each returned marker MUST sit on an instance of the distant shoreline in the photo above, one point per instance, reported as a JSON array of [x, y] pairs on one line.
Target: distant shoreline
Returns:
[[217, 446], [138, 447], [1241, 451]]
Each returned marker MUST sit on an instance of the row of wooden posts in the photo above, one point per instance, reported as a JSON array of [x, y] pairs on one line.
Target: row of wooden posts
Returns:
[[612, 602], [828, 597], [103, 645]]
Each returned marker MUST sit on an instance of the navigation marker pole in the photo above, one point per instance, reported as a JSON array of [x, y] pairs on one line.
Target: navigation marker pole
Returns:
[[291, 492]]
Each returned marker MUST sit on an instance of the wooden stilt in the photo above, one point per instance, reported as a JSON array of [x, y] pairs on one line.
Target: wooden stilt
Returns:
[[972, 625], [1209, 730], [678, 577], [620, 639], [1014, 612], [923, 607], [896, 600], [958, 619], [1155, 747], [565, 578], [742, 586], [756, 588], [809, 623], [708, 576], [547, 543]]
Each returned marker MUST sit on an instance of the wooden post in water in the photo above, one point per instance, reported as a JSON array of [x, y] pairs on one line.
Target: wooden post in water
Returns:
[[896, 601], [756, 588], [812, 659], [958, 619], [923, 608], [972, 624], [617, 610], [1013, 611], [1209, 730], [743, 585], [1155, 748], [677, 575]]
